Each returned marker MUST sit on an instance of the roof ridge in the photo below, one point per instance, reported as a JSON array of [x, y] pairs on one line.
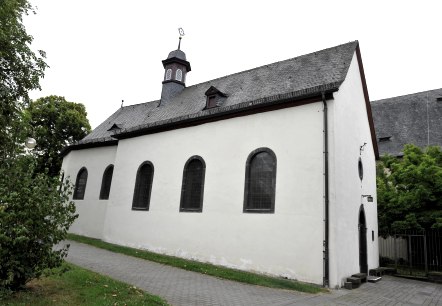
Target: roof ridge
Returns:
[[356, 42], [401, 96], [140, 103]]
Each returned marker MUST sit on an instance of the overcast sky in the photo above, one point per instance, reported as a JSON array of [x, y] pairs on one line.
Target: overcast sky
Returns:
[[101, 52]]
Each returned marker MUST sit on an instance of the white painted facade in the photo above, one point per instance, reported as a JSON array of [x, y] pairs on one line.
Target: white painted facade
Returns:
[[288, 242]]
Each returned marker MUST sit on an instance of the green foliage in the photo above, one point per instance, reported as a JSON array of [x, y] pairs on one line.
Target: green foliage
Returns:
[[55, 123], [410, 190], [35, 214], [20, 69]]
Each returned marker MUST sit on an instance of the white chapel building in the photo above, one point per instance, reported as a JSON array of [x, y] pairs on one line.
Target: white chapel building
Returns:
[[270, 170]]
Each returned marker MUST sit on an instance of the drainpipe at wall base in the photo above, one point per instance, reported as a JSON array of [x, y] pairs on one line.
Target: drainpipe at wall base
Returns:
[[326, 278]]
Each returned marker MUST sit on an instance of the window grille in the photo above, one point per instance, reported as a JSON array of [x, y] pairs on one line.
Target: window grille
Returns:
[[168, 74], [179, 75], [259, 195], [80, 184], [143, 186], [193, 185], [106, 182]]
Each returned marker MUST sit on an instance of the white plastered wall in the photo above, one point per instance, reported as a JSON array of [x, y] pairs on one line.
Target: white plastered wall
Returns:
[[91, 210], [350, 129], [287, 242]]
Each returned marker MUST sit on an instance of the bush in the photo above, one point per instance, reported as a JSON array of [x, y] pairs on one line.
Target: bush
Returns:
[[35, 214]]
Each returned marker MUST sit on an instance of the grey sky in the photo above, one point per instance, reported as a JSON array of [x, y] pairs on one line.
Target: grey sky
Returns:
[[101, 52]]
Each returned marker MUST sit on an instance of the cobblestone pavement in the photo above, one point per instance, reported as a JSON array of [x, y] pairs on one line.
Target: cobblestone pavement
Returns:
[[180, 287]]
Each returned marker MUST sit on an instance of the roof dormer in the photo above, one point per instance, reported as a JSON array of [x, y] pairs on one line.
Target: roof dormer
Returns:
[[214, 97], [115, 128]]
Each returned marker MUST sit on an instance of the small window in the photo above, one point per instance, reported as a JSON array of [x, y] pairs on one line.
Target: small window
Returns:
[[80, 184], [384, 139], [259, 194], [179, 75], [360, 169], [143, 187], [168, 74], [192, 190], [106, 182], [372, 235], [211, 101]]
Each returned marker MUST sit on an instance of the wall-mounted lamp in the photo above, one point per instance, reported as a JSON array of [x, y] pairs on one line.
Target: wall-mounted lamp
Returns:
[[361, 148], [368, 196]]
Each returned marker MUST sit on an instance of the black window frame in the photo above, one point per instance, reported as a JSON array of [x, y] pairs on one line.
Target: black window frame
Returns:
[[139, 183], [106, 182], [79, 193], [247, 192], [184, 207]]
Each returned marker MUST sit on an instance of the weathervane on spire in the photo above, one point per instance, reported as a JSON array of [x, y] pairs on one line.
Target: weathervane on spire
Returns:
[[181, 31]]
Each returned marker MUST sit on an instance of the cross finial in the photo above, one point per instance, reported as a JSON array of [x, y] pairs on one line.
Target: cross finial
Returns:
[[181, 31]]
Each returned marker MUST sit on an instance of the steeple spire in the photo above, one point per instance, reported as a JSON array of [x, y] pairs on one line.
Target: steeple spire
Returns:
[[176, 68]]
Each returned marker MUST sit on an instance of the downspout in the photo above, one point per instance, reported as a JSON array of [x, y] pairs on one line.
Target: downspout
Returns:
[[326, 281]]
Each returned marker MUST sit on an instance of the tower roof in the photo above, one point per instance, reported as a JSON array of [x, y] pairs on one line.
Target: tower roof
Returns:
[[177, 54]]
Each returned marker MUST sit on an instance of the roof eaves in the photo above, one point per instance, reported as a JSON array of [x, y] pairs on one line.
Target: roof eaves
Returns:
[[220, 111], [90, 143]]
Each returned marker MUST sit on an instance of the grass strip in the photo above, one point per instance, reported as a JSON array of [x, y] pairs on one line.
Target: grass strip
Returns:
[[204, 268], [72, 285]]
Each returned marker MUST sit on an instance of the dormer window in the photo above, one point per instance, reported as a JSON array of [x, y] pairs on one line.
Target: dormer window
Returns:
[[115, 128], [168, 74], [385, 139], [215, 97], [211, 101], [179, 75]]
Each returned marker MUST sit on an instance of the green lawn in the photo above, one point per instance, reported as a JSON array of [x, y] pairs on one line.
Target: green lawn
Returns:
[[78, 286], [205, 268]]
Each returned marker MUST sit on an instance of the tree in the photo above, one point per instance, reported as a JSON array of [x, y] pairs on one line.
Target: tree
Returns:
[[410, 190], [20, 70], [55, 123], [34, 209], [35, 214]]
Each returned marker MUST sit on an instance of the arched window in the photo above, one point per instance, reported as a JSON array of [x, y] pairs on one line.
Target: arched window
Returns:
[[179, 75], [168, 74], [80, 184], [192, 190], [143, 186], [106, 182], [259, 194]]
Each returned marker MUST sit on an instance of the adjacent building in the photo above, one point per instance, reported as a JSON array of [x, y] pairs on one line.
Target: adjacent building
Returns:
[[410, 119]]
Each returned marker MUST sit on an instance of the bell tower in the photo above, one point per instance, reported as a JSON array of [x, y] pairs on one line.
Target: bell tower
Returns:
[[176, 68]]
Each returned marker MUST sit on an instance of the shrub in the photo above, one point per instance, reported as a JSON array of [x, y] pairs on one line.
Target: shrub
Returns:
[[35, 214]]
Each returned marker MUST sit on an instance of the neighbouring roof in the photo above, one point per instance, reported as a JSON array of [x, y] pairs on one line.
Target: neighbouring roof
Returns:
[[300, 77], [414, 118]]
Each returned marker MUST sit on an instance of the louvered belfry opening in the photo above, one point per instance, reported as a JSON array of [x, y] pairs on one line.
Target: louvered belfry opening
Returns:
[[143, 187], [193, 185], [260, 181], [106, 182], [80, 184]]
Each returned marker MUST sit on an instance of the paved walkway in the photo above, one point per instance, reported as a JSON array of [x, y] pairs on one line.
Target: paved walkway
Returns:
[[180, 287]]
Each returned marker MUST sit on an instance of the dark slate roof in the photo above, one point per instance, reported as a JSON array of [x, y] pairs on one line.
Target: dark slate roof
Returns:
[[303, 76], [414, 118]]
